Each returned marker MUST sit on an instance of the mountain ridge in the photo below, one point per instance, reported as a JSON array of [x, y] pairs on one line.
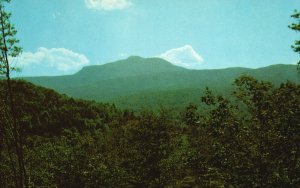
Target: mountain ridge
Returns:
[[120, 80]]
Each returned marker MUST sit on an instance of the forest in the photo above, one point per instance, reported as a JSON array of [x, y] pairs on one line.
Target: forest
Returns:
[[250, 138], [251, 141]]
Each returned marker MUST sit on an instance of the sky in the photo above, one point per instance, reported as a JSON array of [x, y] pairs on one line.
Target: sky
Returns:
[[61, 36]]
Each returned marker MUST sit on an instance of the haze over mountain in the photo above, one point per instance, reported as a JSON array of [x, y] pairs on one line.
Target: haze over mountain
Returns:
[[138, 82]]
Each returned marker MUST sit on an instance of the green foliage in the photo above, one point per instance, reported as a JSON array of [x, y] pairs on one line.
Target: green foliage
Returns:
[[296, 27], [242, 143], [10, 128], [8, 42], [250, 139]]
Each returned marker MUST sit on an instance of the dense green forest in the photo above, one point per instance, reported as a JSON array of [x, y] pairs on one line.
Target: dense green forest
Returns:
[[252, 141]]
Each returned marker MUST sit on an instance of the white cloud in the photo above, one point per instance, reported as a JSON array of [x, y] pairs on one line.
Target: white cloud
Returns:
[[52, 61], [108, 4], [184, 56]]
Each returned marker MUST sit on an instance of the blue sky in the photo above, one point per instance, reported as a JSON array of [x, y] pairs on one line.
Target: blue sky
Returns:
[[60, 36]]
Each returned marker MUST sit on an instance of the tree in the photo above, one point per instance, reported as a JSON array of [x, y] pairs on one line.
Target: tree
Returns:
[[272, 117], [10, 49], [296, 27]]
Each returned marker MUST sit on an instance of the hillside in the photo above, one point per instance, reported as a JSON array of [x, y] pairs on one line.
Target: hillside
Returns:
[[138, 82], [71, 143]]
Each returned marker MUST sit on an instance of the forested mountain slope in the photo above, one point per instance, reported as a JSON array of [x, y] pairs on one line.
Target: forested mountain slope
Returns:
[[252, 142], [129, 81]]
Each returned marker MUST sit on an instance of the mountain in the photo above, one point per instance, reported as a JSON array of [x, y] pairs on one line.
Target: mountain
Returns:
[[133, 66], [137, 82]]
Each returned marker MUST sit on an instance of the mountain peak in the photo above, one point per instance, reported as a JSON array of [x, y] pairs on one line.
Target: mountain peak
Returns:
[[134, 57], [132, 66]]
